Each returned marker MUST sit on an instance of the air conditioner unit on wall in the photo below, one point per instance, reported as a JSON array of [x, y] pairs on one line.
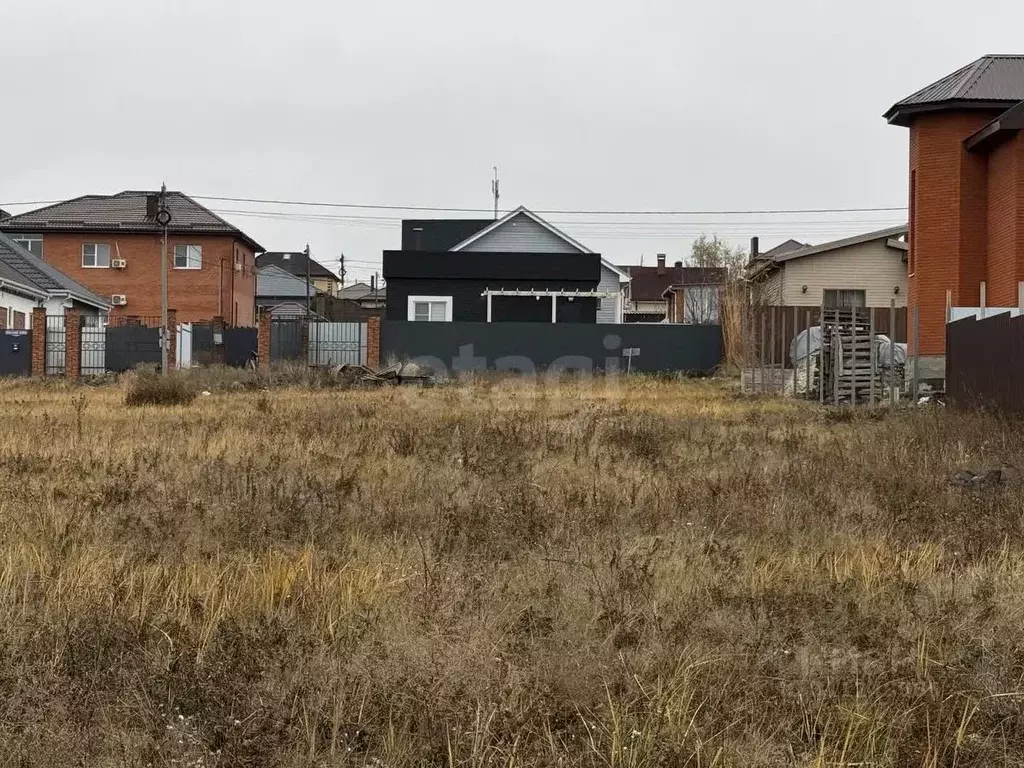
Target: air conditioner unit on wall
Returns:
[[118, 263], [118, 299]]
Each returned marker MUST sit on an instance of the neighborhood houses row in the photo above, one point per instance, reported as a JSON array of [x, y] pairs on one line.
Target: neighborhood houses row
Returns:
[[101, 253]]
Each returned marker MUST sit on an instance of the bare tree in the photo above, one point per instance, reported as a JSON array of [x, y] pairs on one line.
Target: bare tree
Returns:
[[715, 267]]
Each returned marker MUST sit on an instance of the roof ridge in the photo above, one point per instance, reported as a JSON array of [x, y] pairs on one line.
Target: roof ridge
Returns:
[[16, 216], [980, 68]]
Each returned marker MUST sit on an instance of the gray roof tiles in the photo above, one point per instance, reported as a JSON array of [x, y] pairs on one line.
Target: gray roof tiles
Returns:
[[124, 212], [20, 266]]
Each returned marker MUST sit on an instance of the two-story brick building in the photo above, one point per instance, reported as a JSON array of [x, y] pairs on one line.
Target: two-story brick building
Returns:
[[966, 192], [111, 244]]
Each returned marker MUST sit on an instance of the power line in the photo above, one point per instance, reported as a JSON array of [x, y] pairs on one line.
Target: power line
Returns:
[[376, 207]]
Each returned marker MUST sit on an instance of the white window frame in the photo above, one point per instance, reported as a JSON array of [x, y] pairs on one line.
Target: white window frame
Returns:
[[446, 300], [26, 241], [189, 251], [96, 255]]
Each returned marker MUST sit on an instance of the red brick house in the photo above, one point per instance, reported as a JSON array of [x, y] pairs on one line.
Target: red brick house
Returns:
[[111, 245], [966, 191]]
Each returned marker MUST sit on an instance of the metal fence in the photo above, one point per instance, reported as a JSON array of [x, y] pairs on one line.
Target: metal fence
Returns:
[[286, 339], [985, 363], [337, 343], [94, 350], [56, 345]]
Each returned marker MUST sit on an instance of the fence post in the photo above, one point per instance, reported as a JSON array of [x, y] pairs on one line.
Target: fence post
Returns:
[[304, 340], [893, 388], [782, 345], [821, 356], [917, 354], [172, 339], [874, 359], [373, 343], [38, 341], [807, 357], [263, 341], [72, 343], [764, 328]]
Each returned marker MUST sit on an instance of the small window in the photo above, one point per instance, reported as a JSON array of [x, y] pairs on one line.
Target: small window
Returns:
[[20, 321], [3, 317], [95, 255], [430, 309], [31, 243], [844, 299], [188, 257]]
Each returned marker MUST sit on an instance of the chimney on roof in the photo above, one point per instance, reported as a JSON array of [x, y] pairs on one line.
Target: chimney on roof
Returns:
[[152, 206], [754, 248], [661, 263]]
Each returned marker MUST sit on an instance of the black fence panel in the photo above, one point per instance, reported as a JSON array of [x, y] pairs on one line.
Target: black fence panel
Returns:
[[286, 340], [535, 347], [129, 346], [240, 346], [15, 353]]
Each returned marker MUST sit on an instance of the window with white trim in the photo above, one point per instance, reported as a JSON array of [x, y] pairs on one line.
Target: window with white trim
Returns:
[[95, 255], [188, 257], [31, 243], [430, 309]]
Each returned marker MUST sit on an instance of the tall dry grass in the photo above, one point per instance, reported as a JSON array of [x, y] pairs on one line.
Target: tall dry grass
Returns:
[[660, 574]]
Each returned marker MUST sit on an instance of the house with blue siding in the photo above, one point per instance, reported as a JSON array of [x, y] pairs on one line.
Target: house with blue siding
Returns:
[[518, 268]]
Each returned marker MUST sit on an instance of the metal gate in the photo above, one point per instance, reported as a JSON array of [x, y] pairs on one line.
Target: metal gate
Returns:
[[337, 343], [94, 347], [15, 353], [240, 346], [129, 346], [184, 356], [286, 339], [56, 345]]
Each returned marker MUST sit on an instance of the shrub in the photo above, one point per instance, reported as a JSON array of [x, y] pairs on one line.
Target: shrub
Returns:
[[148, 387]]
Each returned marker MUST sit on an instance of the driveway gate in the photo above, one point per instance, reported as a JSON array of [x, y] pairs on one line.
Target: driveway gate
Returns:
[[286, 339], [129, 346]]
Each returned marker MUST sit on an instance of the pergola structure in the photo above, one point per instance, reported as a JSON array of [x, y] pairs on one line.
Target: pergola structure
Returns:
[[489, 294]]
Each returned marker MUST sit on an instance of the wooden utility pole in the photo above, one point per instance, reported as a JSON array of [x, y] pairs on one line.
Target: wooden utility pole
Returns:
[[164, 219], [309, 293]]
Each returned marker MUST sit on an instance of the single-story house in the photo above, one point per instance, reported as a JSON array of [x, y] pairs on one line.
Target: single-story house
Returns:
[[645, 300], [868, 270], [696, 295], [297, 263], [27, 282], [518, 268]]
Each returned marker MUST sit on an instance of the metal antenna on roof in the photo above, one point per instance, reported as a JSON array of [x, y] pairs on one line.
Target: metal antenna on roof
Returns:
[[496, 191]]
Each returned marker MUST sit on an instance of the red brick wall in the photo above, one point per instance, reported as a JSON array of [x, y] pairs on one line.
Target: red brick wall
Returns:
[[196, 294], [1003, 226], [948, 231]]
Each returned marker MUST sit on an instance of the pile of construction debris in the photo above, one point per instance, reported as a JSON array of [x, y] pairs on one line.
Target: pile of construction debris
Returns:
[[393, 375]]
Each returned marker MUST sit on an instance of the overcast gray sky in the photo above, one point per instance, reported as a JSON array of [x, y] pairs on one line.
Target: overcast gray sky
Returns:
[[583, 104]]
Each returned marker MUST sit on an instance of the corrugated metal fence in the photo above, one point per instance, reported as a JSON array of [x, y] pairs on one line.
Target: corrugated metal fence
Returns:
[[985, 363]]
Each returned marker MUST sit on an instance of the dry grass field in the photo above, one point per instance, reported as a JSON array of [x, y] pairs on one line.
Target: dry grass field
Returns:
[[655, 574]]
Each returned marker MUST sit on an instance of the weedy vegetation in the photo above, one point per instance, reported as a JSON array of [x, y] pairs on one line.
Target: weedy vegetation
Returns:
[[501, 574]]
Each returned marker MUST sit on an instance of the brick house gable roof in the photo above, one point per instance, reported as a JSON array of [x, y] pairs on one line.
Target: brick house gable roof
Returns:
[[124, 212], [20, 266], [991, 82]]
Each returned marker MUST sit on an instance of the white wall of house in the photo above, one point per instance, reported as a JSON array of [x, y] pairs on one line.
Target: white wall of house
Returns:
[[872, 267], [609, 310], [521, 234], [13, 302]]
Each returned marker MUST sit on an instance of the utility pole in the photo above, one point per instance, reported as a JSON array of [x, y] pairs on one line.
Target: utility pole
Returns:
[[163, 218], [341, 273], [309, 293], [496, 191]]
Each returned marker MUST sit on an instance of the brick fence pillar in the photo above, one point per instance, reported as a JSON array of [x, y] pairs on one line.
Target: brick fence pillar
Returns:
[[72, 343], [263, 340], [218, 340], [373, 343], [172, 339], [38, 341]]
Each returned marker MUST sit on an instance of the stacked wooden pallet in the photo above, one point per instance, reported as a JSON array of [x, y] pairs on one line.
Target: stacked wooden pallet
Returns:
[[850, 375]]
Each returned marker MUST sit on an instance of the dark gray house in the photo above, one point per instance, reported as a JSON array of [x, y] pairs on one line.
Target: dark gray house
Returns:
[[518, 268]]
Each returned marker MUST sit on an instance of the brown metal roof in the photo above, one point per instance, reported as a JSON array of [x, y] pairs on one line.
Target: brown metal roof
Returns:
[[124, 212], [646, 284], [991, 82]]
